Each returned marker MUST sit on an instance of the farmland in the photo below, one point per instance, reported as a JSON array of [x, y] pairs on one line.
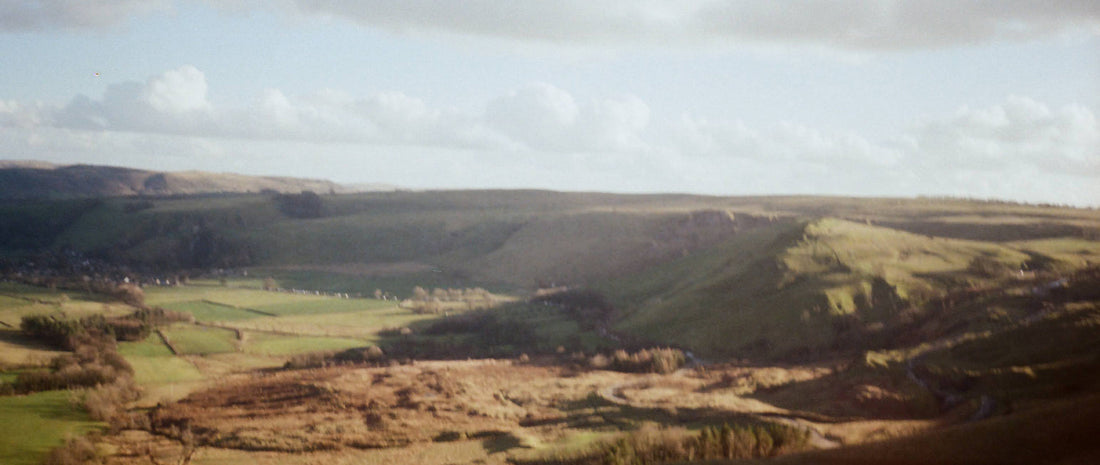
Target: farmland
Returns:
[[36, 423]]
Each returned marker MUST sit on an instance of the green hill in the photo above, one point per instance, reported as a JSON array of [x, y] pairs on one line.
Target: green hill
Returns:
[[800, 288], [771, 277]]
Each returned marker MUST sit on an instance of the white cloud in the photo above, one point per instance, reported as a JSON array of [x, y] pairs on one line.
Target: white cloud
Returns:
[[783, 142], [843, 24], [540, 116], [846, 24], [173, 102], [1019, 132], [28, 15], [178, 91]]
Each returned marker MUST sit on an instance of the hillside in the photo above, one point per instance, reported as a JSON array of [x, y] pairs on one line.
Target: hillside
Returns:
[[884, 326], [761, 277], [38, 180]]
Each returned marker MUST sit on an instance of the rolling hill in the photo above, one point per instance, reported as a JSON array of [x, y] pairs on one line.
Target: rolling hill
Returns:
[[939, 325], [762, 277]]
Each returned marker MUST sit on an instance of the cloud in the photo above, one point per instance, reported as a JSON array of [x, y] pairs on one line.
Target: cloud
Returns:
[[784, 142], [176, 103], [1020, 149], [540, 116], [844, 24], [1019, 132], [173, 102], [30, 15], [860, 25]]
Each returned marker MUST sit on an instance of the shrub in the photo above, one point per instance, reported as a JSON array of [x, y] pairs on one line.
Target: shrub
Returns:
[[644, 361], [51, 330], [741, 442], [310, 360], [76, 451], [94, 360], [130, 294], [107, 402], [651, 445]]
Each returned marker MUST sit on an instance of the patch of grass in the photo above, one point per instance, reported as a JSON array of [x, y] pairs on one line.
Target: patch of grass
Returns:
[[206, 312], [154, 363], [272, 344], [33, 424], [17, 349], [322, 305], [400, 285], [200, 340], [360, 325]]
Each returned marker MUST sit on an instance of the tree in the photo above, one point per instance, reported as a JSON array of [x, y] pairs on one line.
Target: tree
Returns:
[[130, 294]]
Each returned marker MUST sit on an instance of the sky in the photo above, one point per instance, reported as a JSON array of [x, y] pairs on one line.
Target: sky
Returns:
[[897, 98]]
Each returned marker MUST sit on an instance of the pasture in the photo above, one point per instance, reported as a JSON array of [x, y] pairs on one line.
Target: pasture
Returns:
[[200, 340], [35, 423], [278, 344]]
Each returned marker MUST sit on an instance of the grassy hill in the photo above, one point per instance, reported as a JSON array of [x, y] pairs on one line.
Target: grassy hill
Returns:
[[787, 277], [927, 311]]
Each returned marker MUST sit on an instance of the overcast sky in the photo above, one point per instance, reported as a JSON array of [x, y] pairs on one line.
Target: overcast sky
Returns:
[[986, 99]]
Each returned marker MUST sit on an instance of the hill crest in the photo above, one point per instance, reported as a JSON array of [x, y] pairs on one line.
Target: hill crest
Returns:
[[24, 180]]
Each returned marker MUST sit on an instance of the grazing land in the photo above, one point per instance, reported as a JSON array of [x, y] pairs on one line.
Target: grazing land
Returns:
[[36, 423]]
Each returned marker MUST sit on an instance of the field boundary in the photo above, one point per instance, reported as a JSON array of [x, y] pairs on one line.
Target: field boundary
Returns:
[[271, 331], [236, 331], [29, 299], [220, 304], [167, 342]]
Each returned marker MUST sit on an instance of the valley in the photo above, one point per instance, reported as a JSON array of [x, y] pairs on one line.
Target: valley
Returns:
[[535, 327]]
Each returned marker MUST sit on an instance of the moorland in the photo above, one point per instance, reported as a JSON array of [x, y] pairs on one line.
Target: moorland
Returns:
[[537, 327]]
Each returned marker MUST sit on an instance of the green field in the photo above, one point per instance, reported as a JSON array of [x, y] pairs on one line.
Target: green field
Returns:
[[209, 312], [200, 340], [361, 325], [299, 305], [154, 363], [274, 344], [35, 423]]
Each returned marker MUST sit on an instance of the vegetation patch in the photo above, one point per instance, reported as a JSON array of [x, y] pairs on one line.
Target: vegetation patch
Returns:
[[206, 311], [274, 344], [36, 423], [200, 340], [154, 364]]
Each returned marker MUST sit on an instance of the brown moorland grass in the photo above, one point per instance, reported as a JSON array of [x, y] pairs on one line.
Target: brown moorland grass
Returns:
[[514, 408], [1059, 432]]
